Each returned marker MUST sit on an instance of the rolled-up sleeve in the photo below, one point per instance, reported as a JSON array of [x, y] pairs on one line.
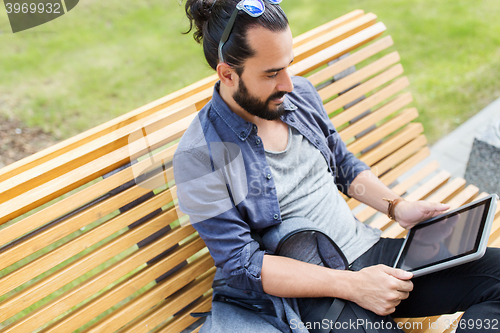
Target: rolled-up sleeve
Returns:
[[208, 196]]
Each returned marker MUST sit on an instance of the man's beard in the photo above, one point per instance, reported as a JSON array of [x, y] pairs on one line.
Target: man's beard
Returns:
[[256, 107]]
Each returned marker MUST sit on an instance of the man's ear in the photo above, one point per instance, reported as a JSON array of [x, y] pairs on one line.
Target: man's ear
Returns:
[[226, 74]]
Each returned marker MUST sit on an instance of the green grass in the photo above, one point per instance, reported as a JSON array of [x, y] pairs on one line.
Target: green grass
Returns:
[[105, 58]]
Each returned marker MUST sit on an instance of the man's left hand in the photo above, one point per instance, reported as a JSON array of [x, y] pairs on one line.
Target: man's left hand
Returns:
[[408, 214]]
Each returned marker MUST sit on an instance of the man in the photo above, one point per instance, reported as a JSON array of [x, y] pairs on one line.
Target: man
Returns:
[[239, 172]]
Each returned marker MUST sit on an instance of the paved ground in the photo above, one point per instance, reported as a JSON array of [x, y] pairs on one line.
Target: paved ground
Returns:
[[452, 151]]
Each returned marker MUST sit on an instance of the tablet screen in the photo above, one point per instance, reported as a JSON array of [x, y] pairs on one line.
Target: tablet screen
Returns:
[[449, 237]]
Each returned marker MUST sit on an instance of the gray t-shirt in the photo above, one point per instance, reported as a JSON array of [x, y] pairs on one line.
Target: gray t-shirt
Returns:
[[305, 188]]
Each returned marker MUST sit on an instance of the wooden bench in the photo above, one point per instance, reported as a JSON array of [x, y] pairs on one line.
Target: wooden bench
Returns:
[[84, 248]]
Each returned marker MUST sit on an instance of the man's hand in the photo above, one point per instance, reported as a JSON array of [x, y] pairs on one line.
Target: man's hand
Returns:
[[408, 214], [381, 288]]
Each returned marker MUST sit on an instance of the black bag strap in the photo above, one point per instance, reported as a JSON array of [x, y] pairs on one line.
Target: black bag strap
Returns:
[[333, 313], [361, 313]]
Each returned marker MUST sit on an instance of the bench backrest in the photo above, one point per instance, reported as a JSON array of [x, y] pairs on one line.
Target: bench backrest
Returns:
[[86, 245]]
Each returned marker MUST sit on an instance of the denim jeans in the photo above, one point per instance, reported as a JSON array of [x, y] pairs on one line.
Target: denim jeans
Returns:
[[472, 287]]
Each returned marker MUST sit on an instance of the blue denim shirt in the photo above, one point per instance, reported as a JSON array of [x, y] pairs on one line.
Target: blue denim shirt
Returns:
[[225, 185]]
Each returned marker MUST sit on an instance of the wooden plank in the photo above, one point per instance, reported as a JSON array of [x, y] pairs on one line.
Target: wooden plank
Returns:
[[85, 154], [401, 188], [184, 319], [423, 172], [50, 284], [71, 203], [173, 304], [124, 289], [376, 116], [360, 75], [107, 128], [495, 231], [329, 26], [391, 177], [400, 155], [333, 52], [428, 324], [336, 35], [66, 251], [72, 224], [381, 132], [421, 193], [391, 145], [464, 197], [73, 297], [154, 295], [395, 173], [353, 59], [448, 191], [172, 127], [369, 102]]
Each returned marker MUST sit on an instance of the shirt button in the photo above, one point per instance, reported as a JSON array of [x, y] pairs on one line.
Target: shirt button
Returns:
[[255, 127], [276, 216], [257, 142], [292, 120], [317, 141], [269, 176], [242, 134]]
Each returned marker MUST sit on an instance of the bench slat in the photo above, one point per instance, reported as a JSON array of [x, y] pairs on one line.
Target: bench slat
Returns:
[[66, 251], [376, 116], [156, 294], [184, 319], [333, 52], [448, 191], [171, 306], [395, 173], [401, 188], [353, 59], [66, 227], [384, 130], [329, 26], [358, 76], [334, 36], [391, 145], [132, 284], [90, 261], [372, 100], [400, 155], [71, 203], [34, 194]]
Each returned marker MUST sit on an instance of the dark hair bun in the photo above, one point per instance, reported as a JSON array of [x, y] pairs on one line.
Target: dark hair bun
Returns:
[[198, 12]]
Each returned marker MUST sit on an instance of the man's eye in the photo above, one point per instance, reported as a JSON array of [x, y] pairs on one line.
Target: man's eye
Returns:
[[273, 75]]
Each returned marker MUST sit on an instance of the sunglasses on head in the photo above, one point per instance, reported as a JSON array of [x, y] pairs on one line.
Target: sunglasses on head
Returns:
[[254, 8]]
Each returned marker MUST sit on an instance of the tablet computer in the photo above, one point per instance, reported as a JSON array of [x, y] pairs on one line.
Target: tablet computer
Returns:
[[450, 239]]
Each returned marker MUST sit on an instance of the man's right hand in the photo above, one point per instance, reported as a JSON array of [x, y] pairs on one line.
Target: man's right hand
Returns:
[[380, 288]]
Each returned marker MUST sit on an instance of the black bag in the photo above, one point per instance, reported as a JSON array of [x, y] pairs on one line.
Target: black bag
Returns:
[[300, 239]]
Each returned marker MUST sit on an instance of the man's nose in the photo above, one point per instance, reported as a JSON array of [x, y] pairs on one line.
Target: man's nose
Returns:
[[285, 83]]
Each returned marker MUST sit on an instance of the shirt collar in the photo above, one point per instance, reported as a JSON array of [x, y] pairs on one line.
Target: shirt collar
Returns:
[[238, 125]]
